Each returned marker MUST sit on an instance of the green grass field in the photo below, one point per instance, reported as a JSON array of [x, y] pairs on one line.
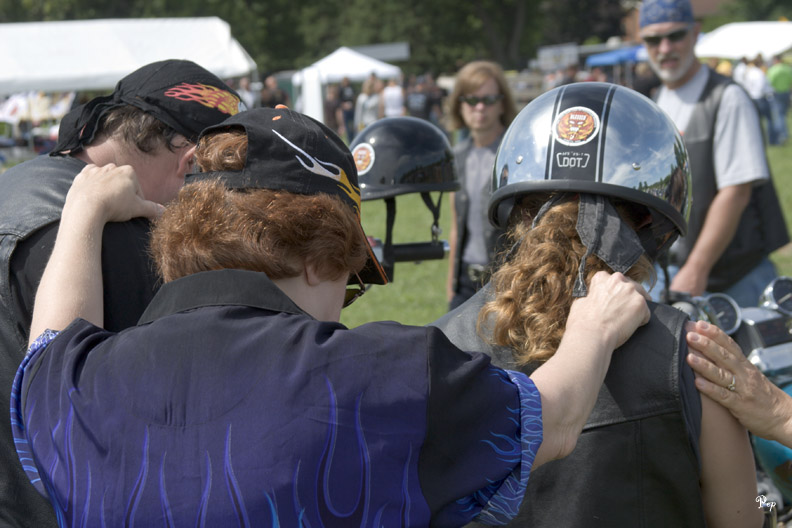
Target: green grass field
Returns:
[[417, 294], [781, 164]]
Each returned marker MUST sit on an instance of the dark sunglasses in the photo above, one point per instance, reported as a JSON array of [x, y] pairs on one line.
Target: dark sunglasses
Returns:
[[354, 291], [674, 36], [473, 100]]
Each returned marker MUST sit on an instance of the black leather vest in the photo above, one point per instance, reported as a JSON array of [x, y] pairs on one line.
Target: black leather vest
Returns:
[[31, 201], [32, 197], [762, 228], [634, 464]]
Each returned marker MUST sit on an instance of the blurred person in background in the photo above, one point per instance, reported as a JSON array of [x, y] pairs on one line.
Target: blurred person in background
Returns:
[[419, 100], [368, 106], [272, 94], [347, 95], [393, 99], [333, 116], [245, 93], [738, 72], [724, 67], [482, 103], [779, 75], [761, 93]]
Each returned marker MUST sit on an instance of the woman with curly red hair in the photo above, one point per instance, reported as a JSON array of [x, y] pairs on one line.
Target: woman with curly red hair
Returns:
[[594, 177]]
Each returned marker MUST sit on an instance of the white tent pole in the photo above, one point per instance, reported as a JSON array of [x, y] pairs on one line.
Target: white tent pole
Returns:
[[312, 100]]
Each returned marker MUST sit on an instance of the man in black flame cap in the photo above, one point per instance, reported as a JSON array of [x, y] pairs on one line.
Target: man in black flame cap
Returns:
[[150, 122]]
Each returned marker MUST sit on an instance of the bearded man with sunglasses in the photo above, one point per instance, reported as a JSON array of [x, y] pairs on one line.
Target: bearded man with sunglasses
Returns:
[[736, 220], [482, 104]]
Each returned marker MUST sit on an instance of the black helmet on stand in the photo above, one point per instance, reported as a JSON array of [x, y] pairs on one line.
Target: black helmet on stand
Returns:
[[597, 138], [402, 155]]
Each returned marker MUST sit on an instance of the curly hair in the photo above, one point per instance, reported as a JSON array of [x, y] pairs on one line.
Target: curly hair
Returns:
[[209, 227], [470, 78], [533, 289], [226, 150]]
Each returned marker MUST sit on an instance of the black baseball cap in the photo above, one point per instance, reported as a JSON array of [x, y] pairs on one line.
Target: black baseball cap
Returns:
[[180, 93], [289, 151]]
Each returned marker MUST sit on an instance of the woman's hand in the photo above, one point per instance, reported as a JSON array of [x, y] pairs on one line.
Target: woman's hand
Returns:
[[727, 377], [71, 285], [111, 192], [615, 306]]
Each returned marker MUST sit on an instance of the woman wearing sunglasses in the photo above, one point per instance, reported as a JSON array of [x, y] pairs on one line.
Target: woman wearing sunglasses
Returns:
[[239, 398], [482, 105]]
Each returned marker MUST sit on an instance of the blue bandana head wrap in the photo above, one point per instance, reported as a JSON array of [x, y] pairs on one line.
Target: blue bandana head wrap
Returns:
[[659, 11]]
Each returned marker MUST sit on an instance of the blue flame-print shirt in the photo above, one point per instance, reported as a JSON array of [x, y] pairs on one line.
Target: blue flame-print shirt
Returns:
[[229, 406]]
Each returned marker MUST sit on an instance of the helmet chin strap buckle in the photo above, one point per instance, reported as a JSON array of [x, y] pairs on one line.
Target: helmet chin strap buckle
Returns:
[[435, 209]]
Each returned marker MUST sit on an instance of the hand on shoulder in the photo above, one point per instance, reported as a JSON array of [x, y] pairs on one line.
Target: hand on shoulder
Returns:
[[614, 307], [725, 375], [111, 192]]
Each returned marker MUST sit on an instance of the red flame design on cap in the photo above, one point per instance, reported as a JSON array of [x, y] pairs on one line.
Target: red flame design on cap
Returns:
[[210, 96]]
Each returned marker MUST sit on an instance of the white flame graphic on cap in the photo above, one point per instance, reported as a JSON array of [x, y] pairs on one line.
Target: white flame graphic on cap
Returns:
[[318, 167]]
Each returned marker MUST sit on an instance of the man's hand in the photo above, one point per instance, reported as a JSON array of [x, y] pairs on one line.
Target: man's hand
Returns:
[[690, 280], [614, 307]]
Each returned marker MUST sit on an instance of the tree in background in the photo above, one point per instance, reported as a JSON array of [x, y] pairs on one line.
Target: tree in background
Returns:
[[443, 34]]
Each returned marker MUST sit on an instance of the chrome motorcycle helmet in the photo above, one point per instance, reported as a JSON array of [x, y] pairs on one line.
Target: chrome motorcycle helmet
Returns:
[[400, 155], [597, 138]]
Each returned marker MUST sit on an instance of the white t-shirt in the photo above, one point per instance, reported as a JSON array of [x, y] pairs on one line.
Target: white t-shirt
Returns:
[[756, 82], [393, 101], [738, 148], [738, 73], [478, 173]]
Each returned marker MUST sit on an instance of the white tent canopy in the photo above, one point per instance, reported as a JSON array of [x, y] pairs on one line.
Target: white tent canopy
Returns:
[[346, 62], [95, 54], [746, 39], [343, 62]]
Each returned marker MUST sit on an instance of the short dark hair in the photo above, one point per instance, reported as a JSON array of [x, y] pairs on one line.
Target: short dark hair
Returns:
[[137, 128]]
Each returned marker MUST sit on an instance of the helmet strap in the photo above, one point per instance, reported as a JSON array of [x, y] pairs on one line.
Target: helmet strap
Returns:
[[554, 200], [387, 250], [435, 209], [605, 234]]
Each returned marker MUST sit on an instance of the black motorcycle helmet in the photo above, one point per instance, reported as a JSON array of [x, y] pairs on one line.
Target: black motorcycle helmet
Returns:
[[401, 155], [597, 138]]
